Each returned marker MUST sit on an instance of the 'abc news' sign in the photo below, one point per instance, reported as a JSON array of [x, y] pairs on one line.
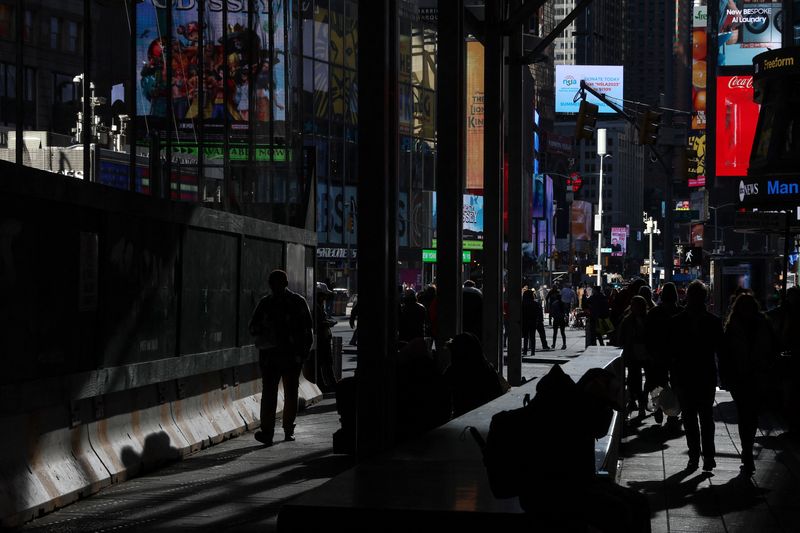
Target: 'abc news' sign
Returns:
[[774, 191]]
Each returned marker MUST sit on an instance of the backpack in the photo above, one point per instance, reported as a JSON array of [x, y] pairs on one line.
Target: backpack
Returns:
[[510, 451], [504, 450]]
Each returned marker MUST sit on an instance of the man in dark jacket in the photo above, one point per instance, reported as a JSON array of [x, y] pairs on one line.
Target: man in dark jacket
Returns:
[[472, 309], [282, 326], [696, 337]]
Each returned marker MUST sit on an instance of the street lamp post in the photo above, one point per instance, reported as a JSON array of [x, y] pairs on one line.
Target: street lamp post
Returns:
[[601, 151], [650, 228]]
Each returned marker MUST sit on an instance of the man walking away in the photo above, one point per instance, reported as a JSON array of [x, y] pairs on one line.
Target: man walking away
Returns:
[[282, 330], [696, 338]]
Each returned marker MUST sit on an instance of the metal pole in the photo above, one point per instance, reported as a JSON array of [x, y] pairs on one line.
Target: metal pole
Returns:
[[786, 237], [601, 151], [600, 227], [650, 265]]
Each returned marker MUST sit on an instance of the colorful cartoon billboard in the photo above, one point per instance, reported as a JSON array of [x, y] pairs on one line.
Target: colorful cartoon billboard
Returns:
[[207, 70]]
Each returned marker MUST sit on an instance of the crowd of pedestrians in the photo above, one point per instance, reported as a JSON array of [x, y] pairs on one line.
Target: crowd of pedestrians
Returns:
[[671, 345]]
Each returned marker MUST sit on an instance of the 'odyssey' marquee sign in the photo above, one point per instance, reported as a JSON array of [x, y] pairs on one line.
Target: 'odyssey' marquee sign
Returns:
[[780, 190]]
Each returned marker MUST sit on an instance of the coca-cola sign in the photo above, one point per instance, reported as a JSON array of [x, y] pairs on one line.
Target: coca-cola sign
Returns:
[[737, 116], [740, 82]]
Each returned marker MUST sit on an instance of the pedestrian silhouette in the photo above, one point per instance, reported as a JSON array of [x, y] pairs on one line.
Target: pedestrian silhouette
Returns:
[[745, 366], [599, 313], [529, 318], [354, 324], [471, 379], [325, 378], [696, 338], [472, 309], [559, 316], [657, 335], [411, 322], [282, 329], [633, 339]]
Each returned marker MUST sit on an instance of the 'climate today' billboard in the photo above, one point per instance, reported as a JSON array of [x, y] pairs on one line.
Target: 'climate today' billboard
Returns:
[[605, 79]]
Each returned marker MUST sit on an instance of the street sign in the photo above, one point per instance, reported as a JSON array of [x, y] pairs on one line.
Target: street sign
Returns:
[[429, 255], [605, 250]]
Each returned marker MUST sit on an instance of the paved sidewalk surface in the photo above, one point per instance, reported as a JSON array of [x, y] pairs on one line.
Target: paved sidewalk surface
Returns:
[[654, 459], [238, 485]]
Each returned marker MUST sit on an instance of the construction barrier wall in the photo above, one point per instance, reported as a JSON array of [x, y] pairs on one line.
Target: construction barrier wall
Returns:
[[123, 332]]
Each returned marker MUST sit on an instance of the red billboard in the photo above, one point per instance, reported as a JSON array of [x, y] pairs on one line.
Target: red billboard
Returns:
[[737, 116]]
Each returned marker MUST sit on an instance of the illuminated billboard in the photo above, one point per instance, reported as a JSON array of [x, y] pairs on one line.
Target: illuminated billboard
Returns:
[[474, 115], [619, 241], [605, 79], [215, 69], [698, 167], [581, 221], [745, 29], [699, 67], [737, 116]]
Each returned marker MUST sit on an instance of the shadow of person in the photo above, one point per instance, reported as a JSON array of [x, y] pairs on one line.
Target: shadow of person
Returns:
[[648, 439], [737, 494], [674, 492], [156, 452]]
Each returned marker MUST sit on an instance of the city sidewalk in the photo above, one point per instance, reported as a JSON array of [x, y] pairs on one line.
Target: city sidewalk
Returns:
[[238, 485], [653, 462]]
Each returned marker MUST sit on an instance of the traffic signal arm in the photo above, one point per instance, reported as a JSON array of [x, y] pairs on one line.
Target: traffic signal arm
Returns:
[[626, 116]]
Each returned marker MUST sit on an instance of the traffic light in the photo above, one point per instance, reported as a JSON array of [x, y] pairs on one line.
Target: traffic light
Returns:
[[587, 118], [649, 122]]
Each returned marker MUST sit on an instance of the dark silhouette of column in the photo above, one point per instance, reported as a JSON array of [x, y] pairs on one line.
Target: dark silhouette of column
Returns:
[[493, 185], [515, 171], [450, 122], [377, 233]]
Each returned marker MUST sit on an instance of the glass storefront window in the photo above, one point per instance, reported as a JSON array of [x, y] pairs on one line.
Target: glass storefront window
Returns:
[[186, 101]]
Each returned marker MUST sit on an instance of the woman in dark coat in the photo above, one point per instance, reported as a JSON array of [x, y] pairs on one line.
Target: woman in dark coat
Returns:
[[744, 366]]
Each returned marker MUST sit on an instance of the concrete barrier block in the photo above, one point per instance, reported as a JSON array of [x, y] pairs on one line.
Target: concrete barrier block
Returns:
[[45, 464], [218, 407], [192, 413], [136, 433], [247, 395]]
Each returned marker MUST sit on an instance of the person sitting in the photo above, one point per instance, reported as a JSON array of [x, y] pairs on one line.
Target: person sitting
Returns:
[[567, 494], [471, 379]]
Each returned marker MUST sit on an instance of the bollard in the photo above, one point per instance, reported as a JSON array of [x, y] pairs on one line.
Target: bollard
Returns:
[[337, 357]]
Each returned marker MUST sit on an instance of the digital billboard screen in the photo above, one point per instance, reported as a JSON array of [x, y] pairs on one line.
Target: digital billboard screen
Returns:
[[699, 66], [737, 116], [474, 135], [619, 241], [745, 29], [224, 66], [581, 221], [605, 79]]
